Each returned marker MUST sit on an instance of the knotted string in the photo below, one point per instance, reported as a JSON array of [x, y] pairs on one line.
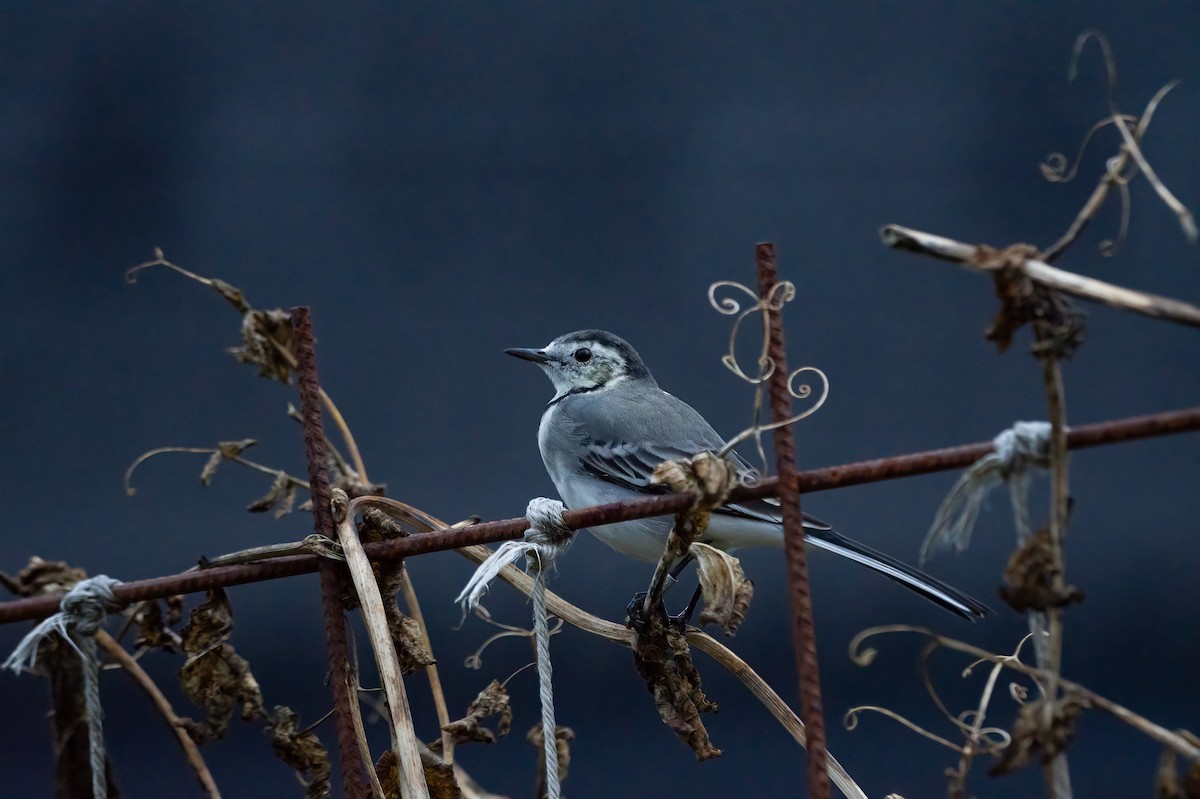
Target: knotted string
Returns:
[[82, 613], [1023, 445], [547, 538]]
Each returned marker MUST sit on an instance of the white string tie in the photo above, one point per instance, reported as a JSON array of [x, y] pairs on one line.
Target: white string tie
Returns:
[[81, 614], [547, 538], [1023, 445]]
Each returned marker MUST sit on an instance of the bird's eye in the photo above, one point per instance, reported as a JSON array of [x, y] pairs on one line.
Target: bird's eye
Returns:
[[583, 355]]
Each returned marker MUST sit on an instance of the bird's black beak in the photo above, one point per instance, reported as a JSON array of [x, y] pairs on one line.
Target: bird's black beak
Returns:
[[537, 356]]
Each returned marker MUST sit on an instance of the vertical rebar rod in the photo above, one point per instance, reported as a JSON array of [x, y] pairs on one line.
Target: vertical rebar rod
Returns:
[[803, 632], [333, 580]]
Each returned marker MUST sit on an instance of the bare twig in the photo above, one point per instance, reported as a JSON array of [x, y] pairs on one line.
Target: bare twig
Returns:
[[1115, 173], [234, 296], [710, 646], [404, 738], [968, 255], [619, 633], [974, 731], [1057, 776], [431, 671], [1175, 741], [211, 451], [139, 675], [364, 749]]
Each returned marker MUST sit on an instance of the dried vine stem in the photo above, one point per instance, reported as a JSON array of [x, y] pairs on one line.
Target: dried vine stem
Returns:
[[1115, 173], [431, 671], [1172, 740], [291, 479], [594, 625], [404, 737], [364, 749], [1057, 777], [969, 255], [144, 681], [234, 296], [958, 786]]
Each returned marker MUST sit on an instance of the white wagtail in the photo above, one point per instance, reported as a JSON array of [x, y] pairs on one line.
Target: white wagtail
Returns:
[[609, 425]]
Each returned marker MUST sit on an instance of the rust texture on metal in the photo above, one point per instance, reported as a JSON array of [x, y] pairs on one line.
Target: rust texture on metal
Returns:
[[333, 578], [807, 482], [804, 634]]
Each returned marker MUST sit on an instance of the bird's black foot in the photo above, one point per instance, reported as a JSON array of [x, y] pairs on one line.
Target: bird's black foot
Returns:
[[637, 619], [635, 612], [684, 617]]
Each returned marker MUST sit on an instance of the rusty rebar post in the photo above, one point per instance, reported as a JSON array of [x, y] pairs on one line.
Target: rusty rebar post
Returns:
[[333, 579], [804, 634]]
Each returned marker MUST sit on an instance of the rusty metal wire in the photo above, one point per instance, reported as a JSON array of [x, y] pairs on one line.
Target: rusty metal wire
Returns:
[[804, 634], [333, 577], [810, 481]]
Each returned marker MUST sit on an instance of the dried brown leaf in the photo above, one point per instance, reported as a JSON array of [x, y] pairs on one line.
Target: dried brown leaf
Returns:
[[280, 497], [375, 525], [300, 749], [1031, 574], [231, 293], [234, 449], [226, 450], [215, 678], [706, 476], [387, 771], [1166, 781], [411, 647], [1191, 781], [174, 609], [439, 777], [491, 701], [287, 503], [154, 631], [210, 468], [43, 577], [266, 338], [1058, 323], [662, 658], [562, 751], [727, 592], [1032, 736]]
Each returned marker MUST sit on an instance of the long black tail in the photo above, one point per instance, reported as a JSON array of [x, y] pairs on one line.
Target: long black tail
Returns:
[[910, 577]]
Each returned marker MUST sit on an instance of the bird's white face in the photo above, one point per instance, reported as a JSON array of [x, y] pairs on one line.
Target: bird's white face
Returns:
[[582, 365], [580, 362]]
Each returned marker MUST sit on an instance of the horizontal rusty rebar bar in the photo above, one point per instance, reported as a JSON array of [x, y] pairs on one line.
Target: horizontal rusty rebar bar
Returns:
[[810, 481]]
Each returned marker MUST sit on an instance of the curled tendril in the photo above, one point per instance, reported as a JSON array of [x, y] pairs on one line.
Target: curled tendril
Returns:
[[779, 295], [867, 655], [728, 306], [1057, 169], [475, 659], [850, 721], [802, 391], [988, 739]]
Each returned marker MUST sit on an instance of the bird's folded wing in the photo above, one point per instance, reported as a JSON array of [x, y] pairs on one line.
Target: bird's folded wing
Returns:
[[631, 466]]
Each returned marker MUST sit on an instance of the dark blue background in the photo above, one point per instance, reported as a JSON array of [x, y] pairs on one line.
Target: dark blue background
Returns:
[[440, 183]]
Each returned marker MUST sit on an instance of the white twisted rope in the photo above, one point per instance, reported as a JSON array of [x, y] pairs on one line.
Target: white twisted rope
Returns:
[[1023, 445], [546, 539], [82, 613]]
